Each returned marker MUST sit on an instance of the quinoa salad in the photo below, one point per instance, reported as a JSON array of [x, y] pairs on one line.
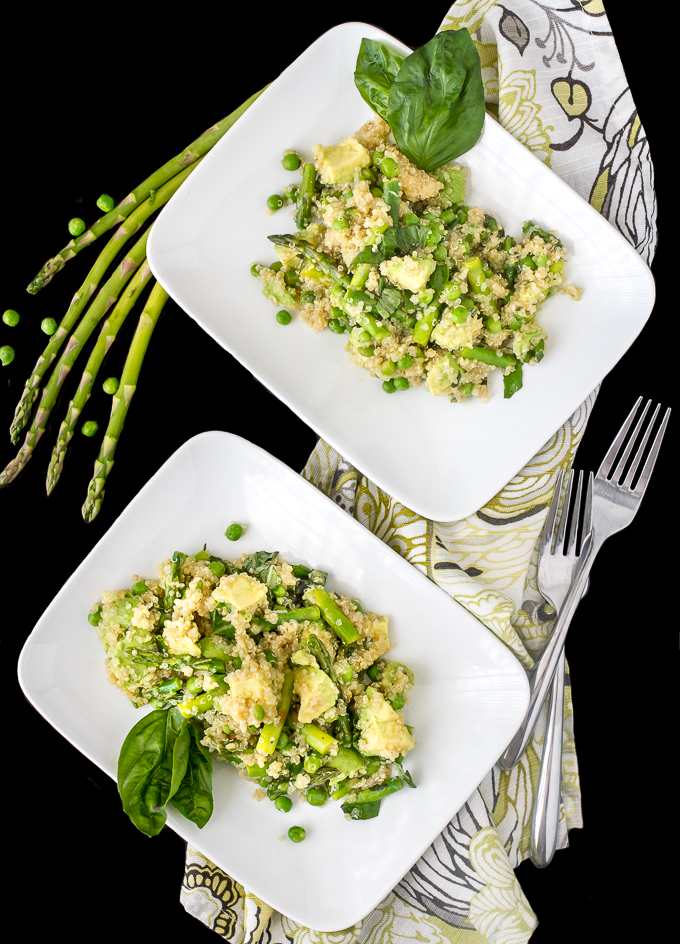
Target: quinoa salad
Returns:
[[425, 288], [276, 674]]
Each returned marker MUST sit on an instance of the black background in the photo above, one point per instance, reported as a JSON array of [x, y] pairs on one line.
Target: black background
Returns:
[[94, 104]]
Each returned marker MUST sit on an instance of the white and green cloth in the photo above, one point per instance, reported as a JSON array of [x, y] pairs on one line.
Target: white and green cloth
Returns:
[[553, 78]]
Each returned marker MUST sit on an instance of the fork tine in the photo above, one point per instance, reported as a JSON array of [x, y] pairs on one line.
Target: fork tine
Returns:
[[651, 458], [564, 514], [573, 530], [637, 458], [549, 526], [608, 460], [618, 471], [588, 509]]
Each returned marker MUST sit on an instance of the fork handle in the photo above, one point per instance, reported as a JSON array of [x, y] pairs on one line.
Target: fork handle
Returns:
[[546, 815], [543, 673]]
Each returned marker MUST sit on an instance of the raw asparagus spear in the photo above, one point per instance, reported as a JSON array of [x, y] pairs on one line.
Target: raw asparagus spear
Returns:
[[94, 314], [121, 400], [188, 156]]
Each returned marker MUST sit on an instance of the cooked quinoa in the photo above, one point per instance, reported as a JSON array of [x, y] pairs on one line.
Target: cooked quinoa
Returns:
[[288, 679], [425, 288]]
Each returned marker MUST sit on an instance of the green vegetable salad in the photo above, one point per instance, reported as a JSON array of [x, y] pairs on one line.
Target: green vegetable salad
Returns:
[[256, 662], [387, 252]]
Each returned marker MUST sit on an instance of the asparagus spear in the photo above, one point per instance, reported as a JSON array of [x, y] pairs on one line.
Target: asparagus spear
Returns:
[[106, 297], [106, 338], [148, 187], [333, 615], [305, 195], [85, 292], [269, 736], [121, 400], [320, 260]]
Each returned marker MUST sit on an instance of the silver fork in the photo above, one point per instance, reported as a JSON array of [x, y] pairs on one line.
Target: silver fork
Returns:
[[614, 505], [554, 577]]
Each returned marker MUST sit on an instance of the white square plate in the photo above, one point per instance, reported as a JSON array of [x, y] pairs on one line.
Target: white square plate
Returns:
[[469, 698], [442, 460]]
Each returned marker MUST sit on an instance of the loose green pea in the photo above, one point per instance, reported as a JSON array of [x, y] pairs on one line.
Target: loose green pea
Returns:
[[388, 386], [258, 711], [405, 362], [285, 804], [284, 317], [316, 796], [308, 297], [11, 318], [448, 216], [275, 202], [312, 762], [234, 531], [340, 224], [49, 326], [76, 226], [337, 327], [389, 167], [296, 833], [139, 588], [388, 368], [89, 428], [291, 161], [255, 269], [106, 202], [460, 315], [194, 685], [276, 266], [95, 618], [376, 192], [6, 354], [440, 253], [398, 702], [217, 568], [401, 383], [110, 385], [367, 351]]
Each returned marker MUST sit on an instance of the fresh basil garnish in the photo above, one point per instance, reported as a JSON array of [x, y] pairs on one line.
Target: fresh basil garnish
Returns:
[[390, 301], [376, 69], [194, 797]]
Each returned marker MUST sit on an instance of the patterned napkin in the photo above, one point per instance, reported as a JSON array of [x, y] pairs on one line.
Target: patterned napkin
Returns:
[[553, 78]]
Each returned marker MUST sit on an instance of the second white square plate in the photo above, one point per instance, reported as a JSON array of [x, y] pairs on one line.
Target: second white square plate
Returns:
[[442, 460]]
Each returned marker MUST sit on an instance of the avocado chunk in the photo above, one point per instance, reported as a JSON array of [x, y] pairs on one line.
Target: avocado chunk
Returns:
[[338, 164], [316, 691], [443, 372], [240, 590], [409, 273], [383, 732], [347, 760]]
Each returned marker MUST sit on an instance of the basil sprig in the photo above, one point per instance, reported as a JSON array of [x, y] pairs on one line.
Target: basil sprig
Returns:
[[435, 102], [162, 760]]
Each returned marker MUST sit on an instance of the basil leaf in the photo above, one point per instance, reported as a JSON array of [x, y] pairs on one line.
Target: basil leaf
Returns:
[[151, 766], [404, 239], [436, 103], [221, 626], [438, 280], [371, 254], [376, 69], [390, 301], [194, 798], [258, 562], [512, 382], [362, 810]]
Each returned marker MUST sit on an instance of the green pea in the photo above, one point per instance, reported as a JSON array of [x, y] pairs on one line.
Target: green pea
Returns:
[[283, 741], [291, 161], [366, 174], [279, 591], [448, 216], [106, 202], [363, 336], [492, 325], [337, 327], [76, 226], [460, 315], [255, 269], [95, 618], [388, 386], [275, 202], [367, 351], [389, 167], [467, 388], [440, 253], [346, 676], [89, 428], [49, 326], [285, 804], [284, 317], [237, 662], [515, 324], [401, 383], [405, 362], [217, 568], [398, 702], [276, 266], [373, 672], [139, 588], [110, 385], [308, 297], [194, 684], [388, 368], [312, 762], [462, 215], [316, 796], [234, 531], [376, 192], [296, 833], [258, 711], [340, 224], [11, 318]]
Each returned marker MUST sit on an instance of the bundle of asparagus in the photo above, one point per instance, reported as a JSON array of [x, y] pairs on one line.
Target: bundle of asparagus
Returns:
[[111, 304]]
